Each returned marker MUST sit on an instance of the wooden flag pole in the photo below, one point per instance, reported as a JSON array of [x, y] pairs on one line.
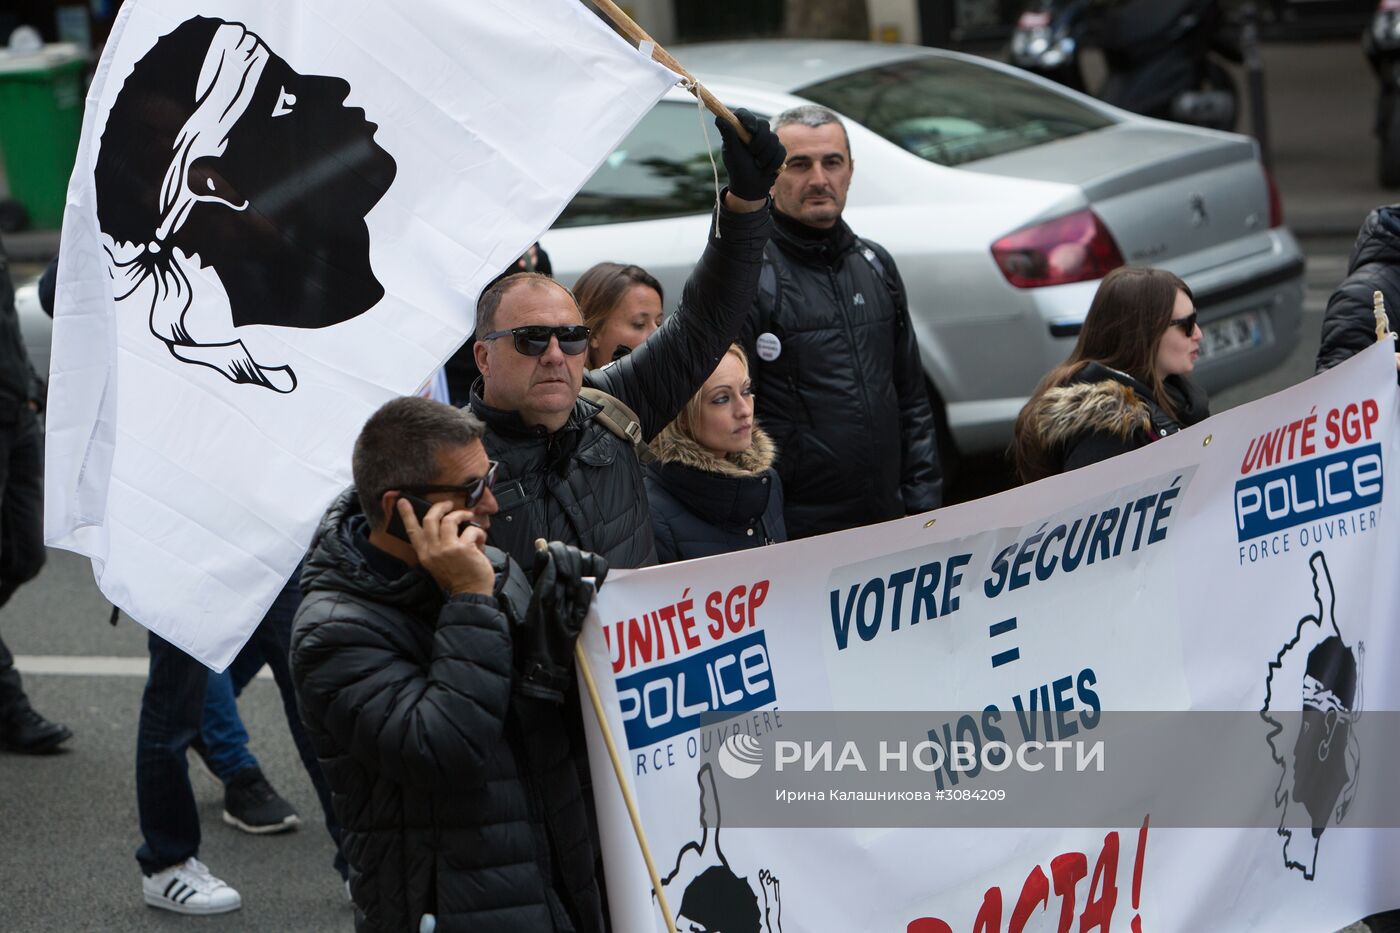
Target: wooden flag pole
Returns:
[[1382, 325], [631, 30], [582, 661], [632, 812]]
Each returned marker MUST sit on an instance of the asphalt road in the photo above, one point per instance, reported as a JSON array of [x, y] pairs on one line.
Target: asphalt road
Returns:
[[68, 822]]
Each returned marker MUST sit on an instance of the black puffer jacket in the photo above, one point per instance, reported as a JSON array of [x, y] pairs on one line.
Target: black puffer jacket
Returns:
[[702, 505], [582, 484], [844, 397], [1099, 414], [1349, 324], [454, 791]]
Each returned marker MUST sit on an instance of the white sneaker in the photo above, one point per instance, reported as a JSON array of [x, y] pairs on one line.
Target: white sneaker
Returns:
[[189, 889]]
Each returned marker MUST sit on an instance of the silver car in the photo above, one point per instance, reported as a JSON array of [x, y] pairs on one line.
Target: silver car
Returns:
[[35, 326], [1003, 197]]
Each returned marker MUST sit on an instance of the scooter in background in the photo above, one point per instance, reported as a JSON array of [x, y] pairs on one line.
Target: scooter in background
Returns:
[[1047, 38], [1162, 55], [1163, 60], [1381, 43]]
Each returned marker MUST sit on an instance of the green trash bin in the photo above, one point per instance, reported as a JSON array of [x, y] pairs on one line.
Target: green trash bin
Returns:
[[41, 117]]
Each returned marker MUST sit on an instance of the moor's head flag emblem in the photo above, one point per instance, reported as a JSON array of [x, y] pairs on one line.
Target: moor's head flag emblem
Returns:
[[232, 190], [280, 217], [1320, 770]]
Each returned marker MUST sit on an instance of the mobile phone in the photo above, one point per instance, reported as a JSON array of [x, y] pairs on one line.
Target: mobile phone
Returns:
[[420, 509]]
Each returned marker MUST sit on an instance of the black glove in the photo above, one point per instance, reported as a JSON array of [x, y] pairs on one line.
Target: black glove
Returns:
[[753, 168], [544, 642]]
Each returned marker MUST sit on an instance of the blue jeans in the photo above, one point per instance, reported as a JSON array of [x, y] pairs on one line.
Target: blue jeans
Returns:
[[225, 737], [171, 710]]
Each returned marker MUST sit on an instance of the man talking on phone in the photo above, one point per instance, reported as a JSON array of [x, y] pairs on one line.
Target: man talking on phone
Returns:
[[431, 676]]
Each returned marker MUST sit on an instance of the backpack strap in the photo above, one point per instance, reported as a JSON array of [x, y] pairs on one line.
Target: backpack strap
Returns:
[[619, 420], [872, 256]]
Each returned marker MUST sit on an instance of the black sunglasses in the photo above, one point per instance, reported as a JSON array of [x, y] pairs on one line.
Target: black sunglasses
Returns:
[[534, 339], [473, 490], [1187, 324]]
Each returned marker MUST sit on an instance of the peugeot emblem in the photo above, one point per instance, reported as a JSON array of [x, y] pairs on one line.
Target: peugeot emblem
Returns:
[[1198, 211]]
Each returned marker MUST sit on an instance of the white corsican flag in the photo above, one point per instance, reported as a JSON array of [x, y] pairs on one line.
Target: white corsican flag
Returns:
[[280, 218]]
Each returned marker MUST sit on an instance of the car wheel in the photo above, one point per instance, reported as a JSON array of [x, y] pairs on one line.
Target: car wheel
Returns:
[[1225, 112]]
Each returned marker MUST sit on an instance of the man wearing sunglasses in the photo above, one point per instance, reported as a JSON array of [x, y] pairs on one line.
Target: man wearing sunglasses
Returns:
[[564, 474], [431, 676]]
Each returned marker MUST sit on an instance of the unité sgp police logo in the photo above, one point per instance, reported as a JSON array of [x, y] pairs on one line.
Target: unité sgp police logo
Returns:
[[1316, 479]]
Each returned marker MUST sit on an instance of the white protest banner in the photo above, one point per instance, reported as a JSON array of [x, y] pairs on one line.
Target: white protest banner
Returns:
[[1237, 579], [280, 218]]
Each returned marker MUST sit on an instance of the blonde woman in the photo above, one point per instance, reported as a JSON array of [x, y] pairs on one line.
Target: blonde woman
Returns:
[[713, 488]]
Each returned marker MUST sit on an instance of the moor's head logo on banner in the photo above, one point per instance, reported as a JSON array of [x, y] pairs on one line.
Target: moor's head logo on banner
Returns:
[[1318, 673], [705, 890], [232, 191]]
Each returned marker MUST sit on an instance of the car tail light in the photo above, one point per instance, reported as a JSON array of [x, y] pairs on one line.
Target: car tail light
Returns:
[[1275, 201], [1073, 248]]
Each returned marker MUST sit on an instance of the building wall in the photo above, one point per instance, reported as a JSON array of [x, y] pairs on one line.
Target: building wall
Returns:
[[894, 21], [657, 17], [890, 20]]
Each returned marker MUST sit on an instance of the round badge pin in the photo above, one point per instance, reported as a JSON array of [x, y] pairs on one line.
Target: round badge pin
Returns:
[[769, 347]]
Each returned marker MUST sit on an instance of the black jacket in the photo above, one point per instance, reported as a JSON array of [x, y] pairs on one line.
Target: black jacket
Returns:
[[844, 398], [701, 505], [19, 383], [458, 796], [1349, 324], [582, 484], [1102, 413]]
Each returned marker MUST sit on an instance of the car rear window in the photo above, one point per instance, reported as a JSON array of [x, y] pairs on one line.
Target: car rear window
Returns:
[[954, 112], [662, 169]]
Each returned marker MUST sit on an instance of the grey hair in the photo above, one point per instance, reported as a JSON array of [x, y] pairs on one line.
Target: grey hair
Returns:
[[811, 115], [399, 446]]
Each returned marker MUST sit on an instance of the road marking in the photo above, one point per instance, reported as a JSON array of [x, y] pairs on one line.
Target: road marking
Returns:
[[87, 665]]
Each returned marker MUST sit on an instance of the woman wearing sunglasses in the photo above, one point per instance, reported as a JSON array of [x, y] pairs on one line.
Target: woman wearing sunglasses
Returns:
[[621, 306], [713, 488], [1125, 384]]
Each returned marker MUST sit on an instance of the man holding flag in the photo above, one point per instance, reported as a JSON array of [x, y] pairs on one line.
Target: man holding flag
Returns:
[[565, 474]]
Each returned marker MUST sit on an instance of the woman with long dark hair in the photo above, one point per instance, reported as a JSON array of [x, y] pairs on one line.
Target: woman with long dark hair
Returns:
[[621, 306], [1125, 384]]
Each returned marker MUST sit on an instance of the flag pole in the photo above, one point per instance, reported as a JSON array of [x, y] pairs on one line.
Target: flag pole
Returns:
[[582, 661], [631, 30], [1382, 324], [632, 812]]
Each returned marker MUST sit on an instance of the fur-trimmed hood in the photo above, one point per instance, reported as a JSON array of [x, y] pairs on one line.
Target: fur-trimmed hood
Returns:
[[1102, 401], [672, 446], [1064, 413], [729, 495]]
